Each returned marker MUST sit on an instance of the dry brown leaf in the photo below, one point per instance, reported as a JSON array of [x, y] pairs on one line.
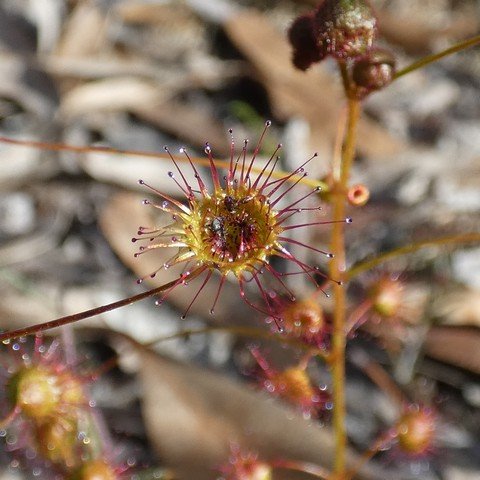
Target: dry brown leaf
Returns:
[[23, 165], [170, 29], [126, 170], [84, 31], [460, 308], [171, 14], [21, 309], [110, 95], [191, 123], [459, 346], [416, 37], [193, 415], [314, 95]]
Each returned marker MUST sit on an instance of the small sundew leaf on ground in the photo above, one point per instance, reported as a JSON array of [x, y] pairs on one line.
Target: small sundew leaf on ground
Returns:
[[119, 221], [192, 416]]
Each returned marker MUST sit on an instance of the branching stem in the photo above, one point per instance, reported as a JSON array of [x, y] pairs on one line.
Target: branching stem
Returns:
[[366, 265], [423, 62], [304, 467], [246, 332]]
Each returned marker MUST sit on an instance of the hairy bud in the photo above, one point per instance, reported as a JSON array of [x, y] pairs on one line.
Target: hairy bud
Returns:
[[293, 385], [373, 71], [42, 392], [34, 390], [341, 28]]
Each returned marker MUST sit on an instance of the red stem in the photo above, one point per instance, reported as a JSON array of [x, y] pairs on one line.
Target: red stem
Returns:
[[59, 322]]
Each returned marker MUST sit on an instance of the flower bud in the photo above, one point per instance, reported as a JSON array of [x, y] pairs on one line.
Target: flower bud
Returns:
[[373, 71], [358, 195], [340, 28], [302, 37], [245, 466], [346, 28], [294, 385]]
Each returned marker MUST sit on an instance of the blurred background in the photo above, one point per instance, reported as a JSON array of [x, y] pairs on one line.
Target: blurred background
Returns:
[[137, 75]]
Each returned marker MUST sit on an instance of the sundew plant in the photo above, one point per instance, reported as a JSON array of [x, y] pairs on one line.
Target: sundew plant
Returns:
[[240, 224]]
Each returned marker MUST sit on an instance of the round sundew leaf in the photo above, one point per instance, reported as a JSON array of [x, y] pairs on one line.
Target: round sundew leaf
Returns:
[[119, 221]]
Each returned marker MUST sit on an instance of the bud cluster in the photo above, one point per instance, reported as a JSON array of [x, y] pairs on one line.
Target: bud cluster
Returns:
[[345, 30]]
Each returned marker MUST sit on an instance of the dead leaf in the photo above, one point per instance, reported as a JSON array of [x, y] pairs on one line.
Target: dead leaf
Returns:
[[23, 165], [459, 308], [110, 95], [455, 345], [126, 170], [417, 37], [186, 121], [193, 416], [84, 31]]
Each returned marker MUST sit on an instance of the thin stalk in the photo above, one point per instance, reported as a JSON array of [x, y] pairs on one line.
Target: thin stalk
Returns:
[[380, 377], [245, 332], [305, 467], [437, 56], [61, 147], [60, 322], [407, 249], [380, 443], [337, 270]]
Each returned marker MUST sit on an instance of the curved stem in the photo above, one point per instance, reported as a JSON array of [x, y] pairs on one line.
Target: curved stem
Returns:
[[437, 56], [358, 317], [305, 467], [245, 332], [379, 444], [407, 249], [380, 377], [60, 147], [337, 270], [59, 322]]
